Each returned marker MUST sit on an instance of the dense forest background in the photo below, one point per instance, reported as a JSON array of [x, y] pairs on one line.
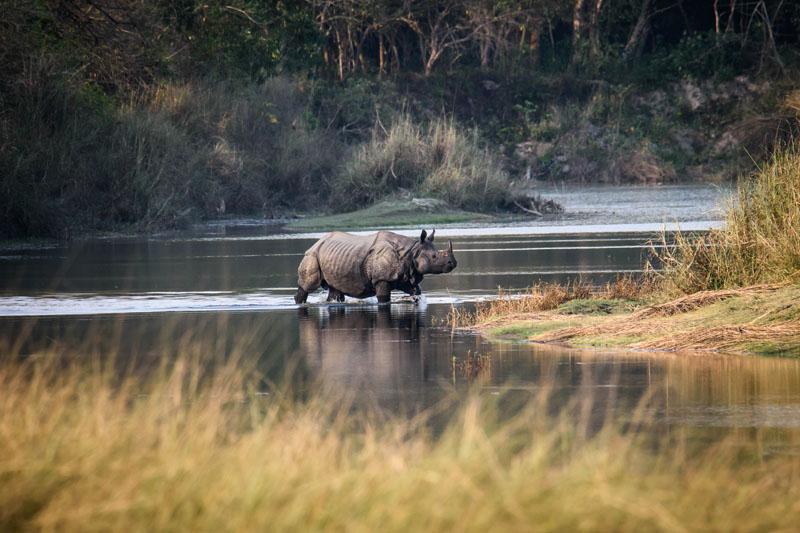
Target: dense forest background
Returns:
[[144, 114]]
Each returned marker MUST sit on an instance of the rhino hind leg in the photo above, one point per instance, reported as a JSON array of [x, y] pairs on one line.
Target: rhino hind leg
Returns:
[[309, 278], [335, 295], [300, 296]]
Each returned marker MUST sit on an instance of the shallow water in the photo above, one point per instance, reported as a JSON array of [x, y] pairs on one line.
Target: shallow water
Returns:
[[226, 286]]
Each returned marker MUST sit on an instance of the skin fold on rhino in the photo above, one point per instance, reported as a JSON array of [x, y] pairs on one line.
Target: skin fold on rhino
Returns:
[[370, 265]]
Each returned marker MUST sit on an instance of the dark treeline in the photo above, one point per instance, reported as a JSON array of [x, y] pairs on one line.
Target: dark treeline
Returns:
[[117, 41], [150, 113]]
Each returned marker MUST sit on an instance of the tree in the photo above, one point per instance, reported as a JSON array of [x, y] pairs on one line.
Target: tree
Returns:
[[586, 29], [638, 36]]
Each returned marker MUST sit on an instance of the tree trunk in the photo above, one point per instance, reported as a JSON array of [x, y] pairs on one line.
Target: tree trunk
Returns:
[[381, 55], [594, 29], [635, 44], [729, 25], [485, 45], [578, 29], [340, 59]]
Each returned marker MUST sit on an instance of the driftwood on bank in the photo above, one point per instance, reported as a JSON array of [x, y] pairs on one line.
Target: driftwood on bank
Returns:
[[537, 206]]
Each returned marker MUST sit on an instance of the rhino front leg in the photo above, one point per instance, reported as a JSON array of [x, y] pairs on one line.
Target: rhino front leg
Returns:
[[412, 289], [383, 290]]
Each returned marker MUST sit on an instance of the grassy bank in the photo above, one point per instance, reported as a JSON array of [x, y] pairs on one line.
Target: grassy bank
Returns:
[[137, 117], [74, 160], [762, 319], [189, 448], [392, 213], [733, 289]]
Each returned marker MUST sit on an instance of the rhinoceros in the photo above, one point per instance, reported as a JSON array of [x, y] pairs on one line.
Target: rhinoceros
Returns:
[[370, 265]]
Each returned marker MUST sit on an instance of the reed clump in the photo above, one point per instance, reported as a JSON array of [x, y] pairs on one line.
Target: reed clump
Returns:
[[437, 160], [194, 447], [542, 297], [759, 242]]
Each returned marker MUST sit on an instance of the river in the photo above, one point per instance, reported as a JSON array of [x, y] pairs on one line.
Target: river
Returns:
[[228, 286]]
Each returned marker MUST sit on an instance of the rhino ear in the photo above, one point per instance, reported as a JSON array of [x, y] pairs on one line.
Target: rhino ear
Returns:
[[430, 237], [423, 236]]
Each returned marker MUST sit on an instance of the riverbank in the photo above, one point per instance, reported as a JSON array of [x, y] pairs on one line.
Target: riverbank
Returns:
[[738, 286], [761, 319], [392, 213]]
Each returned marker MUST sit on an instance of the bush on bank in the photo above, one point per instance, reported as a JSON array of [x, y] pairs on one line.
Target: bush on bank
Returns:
[[73, 158], [759, 242], [439, 160]]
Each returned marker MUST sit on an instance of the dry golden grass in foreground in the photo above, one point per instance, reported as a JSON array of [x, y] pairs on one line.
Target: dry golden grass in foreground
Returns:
[[191, 449]]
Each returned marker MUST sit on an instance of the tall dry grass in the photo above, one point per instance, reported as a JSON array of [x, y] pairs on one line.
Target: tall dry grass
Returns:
[[193, 447], [549, 296], [760, 242], [436, 160]]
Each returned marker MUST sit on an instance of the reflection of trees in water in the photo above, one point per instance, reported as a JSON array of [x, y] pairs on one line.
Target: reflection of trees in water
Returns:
[[390, 354], [139, 343]]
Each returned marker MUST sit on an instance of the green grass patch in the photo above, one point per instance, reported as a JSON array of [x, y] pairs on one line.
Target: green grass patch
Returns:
[[608, 341], [597, 306], [392, 213], [790, 348], [526, 330]]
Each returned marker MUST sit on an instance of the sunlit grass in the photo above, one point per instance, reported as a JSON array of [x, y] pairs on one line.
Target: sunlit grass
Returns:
[[438, 160], [195, 447], [549, 296], [759, 242]]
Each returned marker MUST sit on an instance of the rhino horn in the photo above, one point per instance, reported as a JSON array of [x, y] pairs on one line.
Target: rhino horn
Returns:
[[450, 247]]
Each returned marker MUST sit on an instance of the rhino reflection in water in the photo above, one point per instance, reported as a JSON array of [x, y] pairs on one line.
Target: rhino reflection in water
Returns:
[[370, 265], [379, 349]]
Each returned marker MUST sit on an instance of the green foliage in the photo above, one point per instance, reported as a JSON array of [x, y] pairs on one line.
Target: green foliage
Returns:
[[351, 107], [249, 38], [697, 55], [72, 158]]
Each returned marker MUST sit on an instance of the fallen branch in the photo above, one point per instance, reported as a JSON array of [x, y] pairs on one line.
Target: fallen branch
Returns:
[[530, 211]]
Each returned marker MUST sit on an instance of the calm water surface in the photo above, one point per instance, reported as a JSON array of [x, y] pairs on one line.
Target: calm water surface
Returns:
[[230, 285]]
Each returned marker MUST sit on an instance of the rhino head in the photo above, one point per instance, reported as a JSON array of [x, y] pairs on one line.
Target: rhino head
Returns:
[[429, 260]]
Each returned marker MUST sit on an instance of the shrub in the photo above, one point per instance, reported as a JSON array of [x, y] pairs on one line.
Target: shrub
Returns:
[[71, 156], [437, 160], [759, 242]]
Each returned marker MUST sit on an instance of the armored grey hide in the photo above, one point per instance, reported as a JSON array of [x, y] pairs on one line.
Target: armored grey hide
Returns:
[[370, 265]]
